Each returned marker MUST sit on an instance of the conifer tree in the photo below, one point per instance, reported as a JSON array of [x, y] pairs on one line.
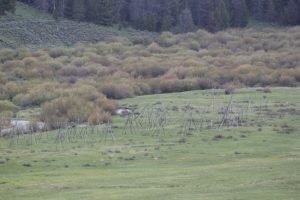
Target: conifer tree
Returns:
[[291, 13], [212, 15], [204, 9], [78, 9], [271, 11], [43, 4], [185, 22], [68, 12], [137, 13], [11, 6], [7, 6], [221, 15], [169, 14], [105, 12], [164, 15], [239, 13], [2, 8], [258, 9]]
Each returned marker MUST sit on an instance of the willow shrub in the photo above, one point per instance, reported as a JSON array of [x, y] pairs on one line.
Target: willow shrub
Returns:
[[84, 75], [73, 110]]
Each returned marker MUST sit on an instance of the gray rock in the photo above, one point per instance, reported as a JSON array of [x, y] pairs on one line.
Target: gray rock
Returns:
[[23, 126], [123, 111]]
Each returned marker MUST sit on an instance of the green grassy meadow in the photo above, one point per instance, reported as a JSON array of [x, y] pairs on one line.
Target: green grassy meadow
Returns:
[[258, 160]]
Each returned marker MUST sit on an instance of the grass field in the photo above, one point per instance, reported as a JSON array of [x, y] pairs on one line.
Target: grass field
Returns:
[[258, 160]]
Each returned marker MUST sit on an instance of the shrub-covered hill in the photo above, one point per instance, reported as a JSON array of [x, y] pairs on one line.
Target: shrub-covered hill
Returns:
[[50, 33], [120, 68], [31, 28]]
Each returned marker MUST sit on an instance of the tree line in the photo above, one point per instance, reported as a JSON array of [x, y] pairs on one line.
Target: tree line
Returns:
[[174, 15], [7, 6]]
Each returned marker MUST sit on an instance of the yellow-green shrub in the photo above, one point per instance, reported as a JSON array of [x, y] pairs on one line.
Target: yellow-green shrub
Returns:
[[117, 91], [71, 109], [56, 52], [7, 54], [7, 106]]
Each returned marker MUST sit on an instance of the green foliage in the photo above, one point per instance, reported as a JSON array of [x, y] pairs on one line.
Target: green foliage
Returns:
[[73, 110], [115, 91], [291, 13], [79, 104], [6, 112], [256, 161], [79, 10], [54, 33], [185, 22], [271, 15], [239, 13], [175, 15], [36, 97], [6, 54], [101, 11], [220, 17], [7, 6], [118, 68], [7, 106]]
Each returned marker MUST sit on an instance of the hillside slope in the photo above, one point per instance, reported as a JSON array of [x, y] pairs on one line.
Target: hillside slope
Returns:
[[34, 29]]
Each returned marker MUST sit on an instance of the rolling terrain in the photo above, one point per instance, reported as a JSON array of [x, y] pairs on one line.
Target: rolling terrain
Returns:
[[31, 28], [130, 115]]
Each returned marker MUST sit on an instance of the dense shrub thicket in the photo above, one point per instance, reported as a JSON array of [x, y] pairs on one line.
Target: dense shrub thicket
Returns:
[[76, 83]]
